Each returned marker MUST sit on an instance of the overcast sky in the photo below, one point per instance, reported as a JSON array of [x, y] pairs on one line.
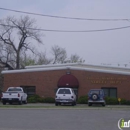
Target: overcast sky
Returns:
[[110, 47]]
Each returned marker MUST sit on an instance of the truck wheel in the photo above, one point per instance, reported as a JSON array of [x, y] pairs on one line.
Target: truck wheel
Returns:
[[89, 104], [25, 102], [103, 104], [56, 103], [4, 103], [20, 102], [10, 103], [73, 104]]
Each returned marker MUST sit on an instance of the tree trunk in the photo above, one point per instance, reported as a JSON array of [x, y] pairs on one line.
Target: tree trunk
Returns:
[[17, 60]]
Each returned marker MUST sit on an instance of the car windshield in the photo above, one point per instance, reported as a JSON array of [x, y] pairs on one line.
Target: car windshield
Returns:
[[64, 91], [14, 89], [96, 91]]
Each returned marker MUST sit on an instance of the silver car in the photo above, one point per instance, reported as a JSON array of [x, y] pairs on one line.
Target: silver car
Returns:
[[65, 96]]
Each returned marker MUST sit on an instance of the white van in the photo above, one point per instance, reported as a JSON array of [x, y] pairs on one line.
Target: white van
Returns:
[[65, 96]]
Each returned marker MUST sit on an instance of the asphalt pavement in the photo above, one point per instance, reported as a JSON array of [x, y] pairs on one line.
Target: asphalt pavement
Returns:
[[44, 116], [61, 119]]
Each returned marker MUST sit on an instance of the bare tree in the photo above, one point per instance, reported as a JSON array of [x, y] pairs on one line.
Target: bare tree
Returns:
[[74, 58], [43, 59], [59, 54], [16, 35], [38, 59], [7, 56], [27, 60]]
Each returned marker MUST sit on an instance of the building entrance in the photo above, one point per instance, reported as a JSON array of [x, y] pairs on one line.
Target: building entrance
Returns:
[[69, 81]]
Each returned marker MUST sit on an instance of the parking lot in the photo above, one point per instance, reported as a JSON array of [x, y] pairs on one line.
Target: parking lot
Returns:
[[50, 117]]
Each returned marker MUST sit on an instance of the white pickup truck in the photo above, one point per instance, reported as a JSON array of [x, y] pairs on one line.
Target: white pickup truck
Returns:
[[14, 94]]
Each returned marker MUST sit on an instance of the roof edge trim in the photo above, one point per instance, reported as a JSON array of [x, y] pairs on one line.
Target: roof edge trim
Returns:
[[67, 67]]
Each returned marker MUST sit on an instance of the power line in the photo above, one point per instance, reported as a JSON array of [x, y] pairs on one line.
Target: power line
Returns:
[[72, 31], [63, 17]]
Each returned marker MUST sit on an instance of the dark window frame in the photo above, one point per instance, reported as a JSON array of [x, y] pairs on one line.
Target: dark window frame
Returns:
[[109, 89], [27, 88]]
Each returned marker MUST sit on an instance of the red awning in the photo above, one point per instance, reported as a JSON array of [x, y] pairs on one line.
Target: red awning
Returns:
[[68, 80]]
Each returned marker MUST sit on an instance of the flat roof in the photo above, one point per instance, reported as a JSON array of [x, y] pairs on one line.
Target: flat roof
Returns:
[[72, 66]]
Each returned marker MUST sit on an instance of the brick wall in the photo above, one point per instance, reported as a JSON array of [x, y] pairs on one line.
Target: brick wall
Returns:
[[1, 81], [46, 81]]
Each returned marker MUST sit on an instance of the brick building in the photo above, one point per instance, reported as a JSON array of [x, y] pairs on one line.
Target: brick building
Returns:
[[3, 66], [45, 79]]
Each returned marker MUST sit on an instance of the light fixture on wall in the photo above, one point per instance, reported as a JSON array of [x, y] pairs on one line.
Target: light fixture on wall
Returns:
[[68, 71]]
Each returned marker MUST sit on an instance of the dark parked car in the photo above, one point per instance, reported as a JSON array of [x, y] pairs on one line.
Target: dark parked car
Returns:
[[96, 96]]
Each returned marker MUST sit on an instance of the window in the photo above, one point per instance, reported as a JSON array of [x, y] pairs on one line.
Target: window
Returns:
[[75, 91], [30, 90], [64, 91], [110, 92], [96, 91], [14, 89]]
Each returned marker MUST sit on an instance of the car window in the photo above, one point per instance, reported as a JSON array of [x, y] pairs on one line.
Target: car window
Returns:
[[96, 92], [14, 89], [64, 91]]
